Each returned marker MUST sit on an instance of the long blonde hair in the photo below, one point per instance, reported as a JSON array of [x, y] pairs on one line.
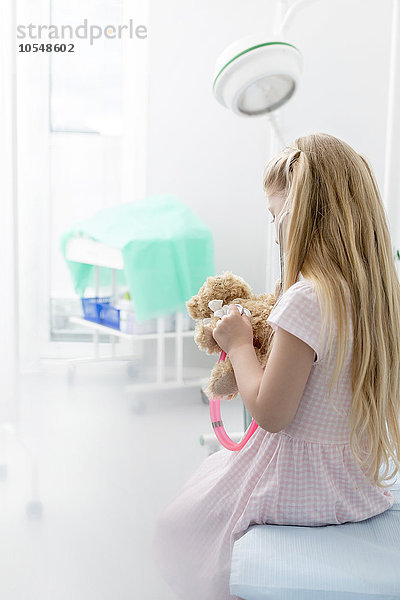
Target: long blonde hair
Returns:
[[338, 234]]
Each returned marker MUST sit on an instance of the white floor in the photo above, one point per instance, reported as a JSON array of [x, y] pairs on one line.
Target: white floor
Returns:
[[103, 473]]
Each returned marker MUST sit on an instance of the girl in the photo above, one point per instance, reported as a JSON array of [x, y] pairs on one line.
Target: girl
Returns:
[[328, 401]]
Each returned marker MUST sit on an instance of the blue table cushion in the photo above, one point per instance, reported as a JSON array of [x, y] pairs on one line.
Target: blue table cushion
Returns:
[[335, 562]]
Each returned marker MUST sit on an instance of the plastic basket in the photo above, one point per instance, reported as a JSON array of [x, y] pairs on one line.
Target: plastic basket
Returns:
[[109, 315], [91, 308], [100, 310]]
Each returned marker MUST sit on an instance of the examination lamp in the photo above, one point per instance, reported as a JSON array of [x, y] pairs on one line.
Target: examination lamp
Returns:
[[254, 77]]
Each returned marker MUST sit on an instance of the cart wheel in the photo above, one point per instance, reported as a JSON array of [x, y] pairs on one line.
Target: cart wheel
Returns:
[[139, 406], [204, 397], [71, 374], [34, 509], [132, 369], [3, 472]]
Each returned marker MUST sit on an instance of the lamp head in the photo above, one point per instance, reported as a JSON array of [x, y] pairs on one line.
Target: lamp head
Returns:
[[254, 77]]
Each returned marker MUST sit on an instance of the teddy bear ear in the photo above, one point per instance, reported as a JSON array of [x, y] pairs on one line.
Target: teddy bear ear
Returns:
[[192, 306]]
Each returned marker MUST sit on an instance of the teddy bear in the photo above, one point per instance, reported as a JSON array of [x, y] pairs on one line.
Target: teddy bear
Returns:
[[209, 304]]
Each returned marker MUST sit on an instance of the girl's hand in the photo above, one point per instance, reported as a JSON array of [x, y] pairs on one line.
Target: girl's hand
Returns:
[[233, 330]]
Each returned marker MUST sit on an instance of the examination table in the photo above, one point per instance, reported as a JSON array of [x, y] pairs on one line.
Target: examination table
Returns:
[[350, 561]]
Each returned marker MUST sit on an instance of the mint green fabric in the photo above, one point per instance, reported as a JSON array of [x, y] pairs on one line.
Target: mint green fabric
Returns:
[[168, 253]]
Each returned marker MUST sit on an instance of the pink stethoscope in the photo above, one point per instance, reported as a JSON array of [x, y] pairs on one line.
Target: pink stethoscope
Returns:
[[215, 403], [216, 421]]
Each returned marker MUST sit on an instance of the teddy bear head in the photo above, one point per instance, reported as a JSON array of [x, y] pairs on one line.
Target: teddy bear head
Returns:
[[226, 287]]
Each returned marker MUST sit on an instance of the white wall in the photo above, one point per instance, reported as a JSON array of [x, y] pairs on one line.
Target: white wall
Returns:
[[214, 160], [8, 252], [33, 192]]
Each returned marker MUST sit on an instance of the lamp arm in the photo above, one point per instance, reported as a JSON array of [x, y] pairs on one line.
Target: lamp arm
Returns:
[[291, 12]]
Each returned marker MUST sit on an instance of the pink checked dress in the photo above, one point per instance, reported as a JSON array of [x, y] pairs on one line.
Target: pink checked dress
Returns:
[[303, 475]]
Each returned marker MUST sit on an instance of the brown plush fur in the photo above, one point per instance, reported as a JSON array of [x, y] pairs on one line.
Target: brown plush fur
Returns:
[[231, 289]]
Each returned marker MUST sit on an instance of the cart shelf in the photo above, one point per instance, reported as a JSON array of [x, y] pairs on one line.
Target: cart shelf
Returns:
[[96, 253], [128, 336]]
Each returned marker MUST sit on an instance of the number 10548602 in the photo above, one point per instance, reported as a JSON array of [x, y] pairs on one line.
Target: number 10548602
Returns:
[[46, 48]]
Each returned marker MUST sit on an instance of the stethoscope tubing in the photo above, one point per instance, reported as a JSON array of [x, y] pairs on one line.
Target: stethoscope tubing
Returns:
[[215, 403], [281, 246], [219, 429]]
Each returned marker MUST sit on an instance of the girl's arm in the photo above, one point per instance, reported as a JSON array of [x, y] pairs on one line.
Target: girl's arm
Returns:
[[272, 397], [248, 373]]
